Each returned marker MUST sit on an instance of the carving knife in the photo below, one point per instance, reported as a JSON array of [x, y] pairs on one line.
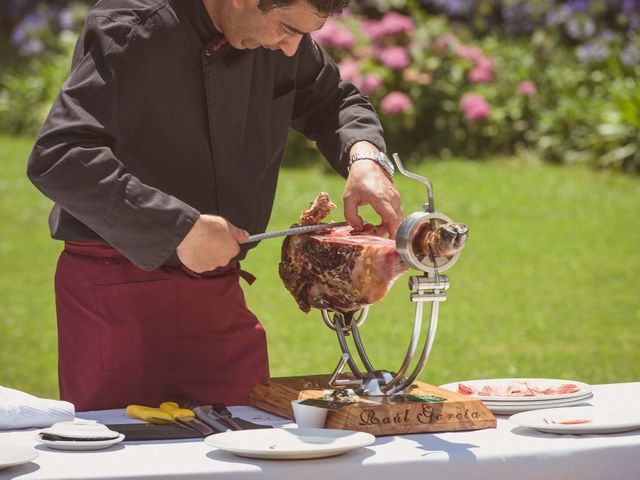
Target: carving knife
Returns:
[[294, 231]]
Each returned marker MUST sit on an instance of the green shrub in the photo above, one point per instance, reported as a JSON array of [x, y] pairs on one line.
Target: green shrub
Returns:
[[36, 60], [482, 78]]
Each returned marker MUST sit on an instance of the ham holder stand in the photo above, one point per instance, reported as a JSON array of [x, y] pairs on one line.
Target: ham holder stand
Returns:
[[385, 402]]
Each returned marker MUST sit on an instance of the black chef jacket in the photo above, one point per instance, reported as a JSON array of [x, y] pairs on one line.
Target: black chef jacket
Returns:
[[161, 120]]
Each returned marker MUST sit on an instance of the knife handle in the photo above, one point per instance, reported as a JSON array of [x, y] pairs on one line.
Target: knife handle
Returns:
[[148, 414], [174, 410]]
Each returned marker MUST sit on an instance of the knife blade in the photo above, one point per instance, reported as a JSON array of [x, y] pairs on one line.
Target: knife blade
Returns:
[[293, 231]]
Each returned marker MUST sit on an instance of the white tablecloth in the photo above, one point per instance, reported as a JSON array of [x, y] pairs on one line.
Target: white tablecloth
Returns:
[[506, 452]]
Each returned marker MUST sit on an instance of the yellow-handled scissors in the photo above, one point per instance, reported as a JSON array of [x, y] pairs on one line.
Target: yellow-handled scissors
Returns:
[[168, 412]]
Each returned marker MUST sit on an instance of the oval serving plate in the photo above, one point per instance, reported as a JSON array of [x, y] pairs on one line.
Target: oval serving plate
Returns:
[[289, 443]]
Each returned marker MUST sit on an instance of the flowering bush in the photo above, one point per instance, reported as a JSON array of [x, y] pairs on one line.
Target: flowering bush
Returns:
[[449, 93], [448, 77], [436, 93]]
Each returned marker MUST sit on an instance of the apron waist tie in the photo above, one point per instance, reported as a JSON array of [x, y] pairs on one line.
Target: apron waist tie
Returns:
[[102, 250]]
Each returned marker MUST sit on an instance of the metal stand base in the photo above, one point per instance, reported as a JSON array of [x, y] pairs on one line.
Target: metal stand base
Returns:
[[425, 288]]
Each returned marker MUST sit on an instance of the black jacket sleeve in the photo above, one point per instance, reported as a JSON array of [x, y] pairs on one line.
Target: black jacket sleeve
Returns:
[[329, 110], [75, 159]]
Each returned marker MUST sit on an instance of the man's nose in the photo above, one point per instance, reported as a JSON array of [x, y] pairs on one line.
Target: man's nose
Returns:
[[289, 45]]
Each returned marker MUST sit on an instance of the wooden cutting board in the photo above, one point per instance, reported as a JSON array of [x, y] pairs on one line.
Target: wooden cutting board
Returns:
[[377, 415]]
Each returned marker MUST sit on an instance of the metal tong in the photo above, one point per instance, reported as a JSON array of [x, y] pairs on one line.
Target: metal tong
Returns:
[[216, 416]]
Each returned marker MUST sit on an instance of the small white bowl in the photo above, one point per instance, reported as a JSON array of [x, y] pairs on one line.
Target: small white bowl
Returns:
[[308, 416]]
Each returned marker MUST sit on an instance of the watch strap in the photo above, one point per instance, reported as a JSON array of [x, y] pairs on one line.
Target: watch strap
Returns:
[[379, 157]]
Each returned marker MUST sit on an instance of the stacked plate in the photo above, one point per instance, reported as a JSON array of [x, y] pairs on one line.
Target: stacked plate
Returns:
[[505, 396], [79, 435]]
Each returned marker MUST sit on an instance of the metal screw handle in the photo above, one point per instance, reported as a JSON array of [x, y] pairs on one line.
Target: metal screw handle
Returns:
[[429, 206]]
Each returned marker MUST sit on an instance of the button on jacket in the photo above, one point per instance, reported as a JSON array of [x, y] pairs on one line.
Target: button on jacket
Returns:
[[161, 120]]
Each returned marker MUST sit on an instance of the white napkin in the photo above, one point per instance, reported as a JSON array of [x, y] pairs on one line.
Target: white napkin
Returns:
[[21, 410]]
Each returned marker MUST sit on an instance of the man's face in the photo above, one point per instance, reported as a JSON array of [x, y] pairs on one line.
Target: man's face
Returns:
[[246, 26]]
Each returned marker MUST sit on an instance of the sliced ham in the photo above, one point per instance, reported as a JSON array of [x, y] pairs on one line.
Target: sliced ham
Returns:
[[574, 421], [517, 389]]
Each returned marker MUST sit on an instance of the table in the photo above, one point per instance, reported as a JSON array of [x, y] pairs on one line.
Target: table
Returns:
[[506, 452]]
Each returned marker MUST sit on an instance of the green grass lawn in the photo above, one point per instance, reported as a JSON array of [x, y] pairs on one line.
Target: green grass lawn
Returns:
[[547, 286]]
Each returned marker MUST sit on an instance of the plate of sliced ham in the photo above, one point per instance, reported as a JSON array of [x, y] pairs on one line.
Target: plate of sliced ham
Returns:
[[578, 420], [515, 390]]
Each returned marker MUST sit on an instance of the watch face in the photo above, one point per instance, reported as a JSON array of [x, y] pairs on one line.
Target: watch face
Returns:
[[386, 163]]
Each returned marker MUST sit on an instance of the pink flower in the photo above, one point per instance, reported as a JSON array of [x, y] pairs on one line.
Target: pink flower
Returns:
[[344, 39], [482, 72], [371, 28], [370, 83], [469, 52], [395, 104], [474, 107], [396, 58], [527, 88], [480, 75], [393, 23], [334, 34], [349, 70]]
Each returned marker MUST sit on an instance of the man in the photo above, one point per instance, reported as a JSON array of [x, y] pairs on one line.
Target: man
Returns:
[[161, 153]]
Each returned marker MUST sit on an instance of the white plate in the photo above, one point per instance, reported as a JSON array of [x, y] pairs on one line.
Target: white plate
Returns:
[[80, 445], [12, 455], [503, 409], [550, 402], [289, 443], [539, 382], [601, 420]]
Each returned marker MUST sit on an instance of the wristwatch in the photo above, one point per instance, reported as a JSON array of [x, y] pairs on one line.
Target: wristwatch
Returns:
[[378, 157]]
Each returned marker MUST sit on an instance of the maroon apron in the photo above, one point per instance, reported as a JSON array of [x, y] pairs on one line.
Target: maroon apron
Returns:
[[126, 336]]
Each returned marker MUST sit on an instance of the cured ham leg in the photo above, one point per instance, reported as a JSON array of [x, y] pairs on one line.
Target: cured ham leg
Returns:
[[345, 270]]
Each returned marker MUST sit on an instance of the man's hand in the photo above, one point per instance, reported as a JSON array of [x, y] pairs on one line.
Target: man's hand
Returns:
[[368, 184], [212, 242]]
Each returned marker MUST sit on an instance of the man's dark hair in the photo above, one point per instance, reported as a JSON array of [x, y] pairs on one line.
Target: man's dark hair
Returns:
[[324, 7]]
